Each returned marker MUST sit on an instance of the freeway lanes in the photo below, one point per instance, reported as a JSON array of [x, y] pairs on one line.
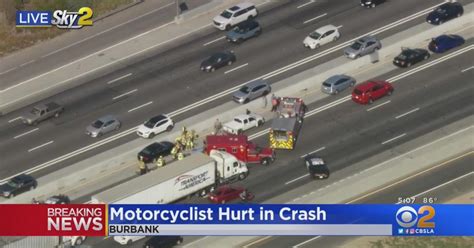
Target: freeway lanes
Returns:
[[351, 134], [454, 178], [151, 78], [76, 44]]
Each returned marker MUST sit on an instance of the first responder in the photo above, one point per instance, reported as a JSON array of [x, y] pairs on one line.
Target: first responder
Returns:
[[160, 162]]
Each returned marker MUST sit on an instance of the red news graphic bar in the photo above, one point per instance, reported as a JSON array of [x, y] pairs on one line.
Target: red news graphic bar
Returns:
[[53, 220]]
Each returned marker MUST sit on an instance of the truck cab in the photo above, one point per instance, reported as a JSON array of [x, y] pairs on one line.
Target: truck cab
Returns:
[[228, 167], [240, 147]]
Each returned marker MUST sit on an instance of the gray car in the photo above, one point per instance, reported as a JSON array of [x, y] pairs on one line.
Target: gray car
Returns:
[[102, 126], [251, 91], [244, 31], [337, 83], [361, 47]]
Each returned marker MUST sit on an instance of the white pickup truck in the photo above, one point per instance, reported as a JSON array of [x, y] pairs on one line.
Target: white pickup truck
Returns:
[[243, 123]]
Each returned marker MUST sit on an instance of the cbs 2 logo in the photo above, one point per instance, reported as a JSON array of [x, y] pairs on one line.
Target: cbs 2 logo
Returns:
[[65, 19], [407, 217]]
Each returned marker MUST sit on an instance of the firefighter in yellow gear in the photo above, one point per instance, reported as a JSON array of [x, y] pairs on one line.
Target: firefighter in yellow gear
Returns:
[[142, 168], [180, 156], [175, 150], [189, 144], [160, 162]]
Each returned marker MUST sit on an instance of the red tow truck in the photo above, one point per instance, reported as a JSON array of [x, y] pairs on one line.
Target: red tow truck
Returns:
[[240, 147]]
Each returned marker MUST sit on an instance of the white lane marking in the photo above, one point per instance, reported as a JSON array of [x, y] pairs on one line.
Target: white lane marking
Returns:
[[99, 67], [256, 241], [398, 182], [305, 4], [414, 175], [444, 184], [317, 17], [27, 63], [124, 94], [25, 133], [14, 119], [394, 138], [340, 26], [212, 41], [258, 134], [407, 113], [307, 241], [119, 78], [112, 28], [141, 106], [392, 79], [38, 147], [431, 63], [380, 105], [467, 69], [236, 68], [266, 76], [7, 71], [296, 179], [315, 151], [343, 45], [223, 93]]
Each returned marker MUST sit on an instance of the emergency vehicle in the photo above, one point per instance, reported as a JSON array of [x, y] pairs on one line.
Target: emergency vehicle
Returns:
[[286, 127], [240, 147]]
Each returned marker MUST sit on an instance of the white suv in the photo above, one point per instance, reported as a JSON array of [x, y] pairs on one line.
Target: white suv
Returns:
[[235, 15], [154, 126]]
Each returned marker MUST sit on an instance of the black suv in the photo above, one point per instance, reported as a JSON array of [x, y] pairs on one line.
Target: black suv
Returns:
[[152, 152], [163, 241], [409, 57], [316, 166], [243, 31], [18, 185], [370, 3], [444, 13]]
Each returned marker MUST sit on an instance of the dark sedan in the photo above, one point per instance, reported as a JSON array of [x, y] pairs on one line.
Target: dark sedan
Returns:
[[444, 13], [18, 185], [409, 57], [152, 152], [217, 61], [316, 166], [58, 199], [444, 43], [370, 3]]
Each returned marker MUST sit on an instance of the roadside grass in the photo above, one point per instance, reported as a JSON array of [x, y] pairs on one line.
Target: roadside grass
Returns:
[[13, 39]]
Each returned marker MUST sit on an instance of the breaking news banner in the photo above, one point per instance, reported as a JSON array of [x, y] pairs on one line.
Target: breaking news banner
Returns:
[[237, 220]]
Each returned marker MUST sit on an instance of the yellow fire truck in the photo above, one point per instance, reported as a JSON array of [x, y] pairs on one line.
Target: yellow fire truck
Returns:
[[285, 128]]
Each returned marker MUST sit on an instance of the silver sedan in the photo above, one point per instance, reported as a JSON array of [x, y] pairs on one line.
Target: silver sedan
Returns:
[[102, 126]]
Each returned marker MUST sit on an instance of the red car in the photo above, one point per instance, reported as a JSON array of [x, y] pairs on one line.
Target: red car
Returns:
[[368, 92], [225, 194]]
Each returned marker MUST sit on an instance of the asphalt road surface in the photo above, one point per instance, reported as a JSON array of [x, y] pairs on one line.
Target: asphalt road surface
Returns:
[[171, 80], [351, 133], [436, 186]]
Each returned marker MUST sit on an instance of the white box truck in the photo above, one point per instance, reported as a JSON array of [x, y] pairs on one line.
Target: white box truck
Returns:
[[195, 174]]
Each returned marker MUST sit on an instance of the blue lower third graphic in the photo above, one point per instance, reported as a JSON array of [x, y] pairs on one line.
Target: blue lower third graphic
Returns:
[[285, 219]]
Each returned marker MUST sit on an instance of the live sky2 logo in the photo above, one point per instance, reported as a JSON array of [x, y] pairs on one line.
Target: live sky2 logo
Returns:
[[60, 18]]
